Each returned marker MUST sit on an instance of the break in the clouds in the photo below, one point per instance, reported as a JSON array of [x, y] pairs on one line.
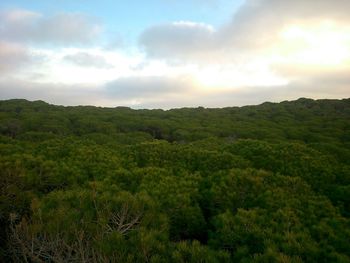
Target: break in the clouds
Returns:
[[266, 50]]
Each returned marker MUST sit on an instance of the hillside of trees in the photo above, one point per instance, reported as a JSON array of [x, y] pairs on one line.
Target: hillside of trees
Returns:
[[266, 183]]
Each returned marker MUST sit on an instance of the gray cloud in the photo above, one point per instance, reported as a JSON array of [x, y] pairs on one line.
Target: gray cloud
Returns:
[[326, 84], [137, 92], [85, 59], [149, 87], [12, 56], [180, 39], [55, 93], [62, 28]]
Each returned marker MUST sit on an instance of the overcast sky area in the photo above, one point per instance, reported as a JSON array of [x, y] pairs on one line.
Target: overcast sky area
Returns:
[[174, 53]]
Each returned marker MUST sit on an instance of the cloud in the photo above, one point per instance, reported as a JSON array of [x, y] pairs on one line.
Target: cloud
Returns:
[[166, 92], [270, 50], [62, 29], [137, 92], [12, 56], [178, 39], [258, 22], [256, 25], [84, 59], [55, 93], [327, 84], [301, 44], [149, 87]]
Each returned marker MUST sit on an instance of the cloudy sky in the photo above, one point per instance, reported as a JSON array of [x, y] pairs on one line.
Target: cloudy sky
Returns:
[[174, 53]]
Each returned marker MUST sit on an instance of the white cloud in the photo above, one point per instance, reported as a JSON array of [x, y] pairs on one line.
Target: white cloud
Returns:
[[80, 65]]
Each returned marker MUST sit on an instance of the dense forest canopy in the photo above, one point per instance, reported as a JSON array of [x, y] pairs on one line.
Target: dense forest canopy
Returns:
[[266, 183]]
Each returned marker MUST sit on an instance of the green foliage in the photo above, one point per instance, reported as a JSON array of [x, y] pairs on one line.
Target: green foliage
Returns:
[[267, 183]]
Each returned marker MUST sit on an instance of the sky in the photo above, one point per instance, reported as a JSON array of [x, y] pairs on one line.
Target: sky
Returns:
[[174, 53]]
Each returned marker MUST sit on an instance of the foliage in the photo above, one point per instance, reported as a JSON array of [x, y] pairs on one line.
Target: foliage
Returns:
[[267, 183]]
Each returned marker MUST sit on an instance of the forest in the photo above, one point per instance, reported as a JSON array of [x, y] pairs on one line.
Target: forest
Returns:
[[266, 183]]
